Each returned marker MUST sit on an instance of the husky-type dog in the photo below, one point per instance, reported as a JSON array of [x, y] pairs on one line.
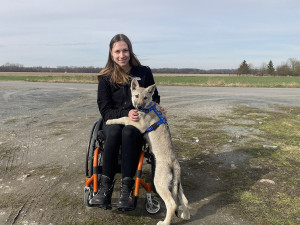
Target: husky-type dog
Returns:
[[167, 177]]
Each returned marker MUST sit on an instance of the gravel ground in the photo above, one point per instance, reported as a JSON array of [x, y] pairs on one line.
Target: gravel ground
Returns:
[[43, 138]]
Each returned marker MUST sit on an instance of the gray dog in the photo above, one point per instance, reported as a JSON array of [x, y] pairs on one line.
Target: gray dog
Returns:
[[167, 181]]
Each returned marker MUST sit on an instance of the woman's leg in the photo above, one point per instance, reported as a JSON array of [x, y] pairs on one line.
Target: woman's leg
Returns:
[[113, 137], [132, 141], [113, 134], [131, 146]]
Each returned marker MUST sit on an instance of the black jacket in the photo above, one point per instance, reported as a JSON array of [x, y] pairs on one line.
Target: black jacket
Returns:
[[114, 101]]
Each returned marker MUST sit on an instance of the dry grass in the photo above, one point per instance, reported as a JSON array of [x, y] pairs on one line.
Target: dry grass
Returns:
[[204, 80], [95, 74], [189, 75]]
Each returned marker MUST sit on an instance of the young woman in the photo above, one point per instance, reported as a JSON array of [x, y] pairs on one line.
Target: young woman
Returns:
[[114, 101]]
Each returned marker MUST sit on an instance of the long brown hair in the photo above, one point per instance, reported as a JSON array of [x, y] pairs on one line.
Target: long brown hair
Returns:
[[118, 75]]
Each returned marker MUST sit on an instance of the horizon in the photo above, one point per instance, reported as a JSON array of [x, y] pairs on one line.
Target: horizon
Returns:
[[179, 68]]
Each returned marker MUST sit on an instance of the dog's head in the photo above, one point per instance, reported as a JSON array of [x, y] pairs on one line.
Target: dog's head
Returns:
[[141, 97]]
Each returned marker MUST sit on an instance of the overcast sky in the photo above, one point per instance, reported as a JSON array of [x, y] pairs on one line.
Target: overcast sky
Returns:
[[164, 33]]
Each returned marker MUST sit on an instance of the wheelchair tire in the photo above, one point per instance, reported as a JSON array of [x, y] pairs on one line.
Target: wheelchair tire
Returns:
[[155, 207], [90, 151]]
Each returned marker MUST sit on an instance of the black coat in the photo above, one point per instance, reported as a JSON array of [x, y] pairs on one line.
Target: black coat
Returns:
[[114, 101]]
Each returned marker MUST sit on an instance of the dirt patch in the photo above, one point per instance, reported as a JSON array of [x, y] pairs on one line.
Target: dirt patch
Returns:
[[44, 134]]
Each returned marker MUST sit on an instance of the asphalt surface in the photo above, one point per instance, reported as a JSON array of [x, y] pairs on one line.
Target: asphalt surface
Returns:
[[19, 98]]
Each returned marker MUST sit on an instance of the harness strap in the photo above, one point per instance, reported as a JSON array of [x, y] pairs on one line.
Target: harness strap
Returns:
[[162, 120]]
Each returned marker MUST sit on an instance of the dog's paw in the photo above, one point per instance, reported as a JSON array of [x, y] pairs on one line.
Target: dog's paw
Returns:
[[185, 215], [109, 122], [160, 223]]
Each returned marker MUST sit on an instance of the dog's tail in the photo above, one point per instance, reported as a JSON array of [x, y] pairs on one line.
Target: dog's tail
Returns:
[[175, 181]]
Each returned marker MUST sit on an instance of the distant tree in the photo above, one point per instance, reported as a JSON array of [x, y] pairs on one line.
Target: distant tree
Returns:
[[244, 68], [263, 69], [295, 66], [284, 70], [289, 68], [271, 69]]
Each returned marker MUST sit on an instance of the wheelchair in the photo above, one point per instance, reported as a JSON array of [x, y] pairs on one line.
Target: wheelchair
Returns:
[[93, 168]]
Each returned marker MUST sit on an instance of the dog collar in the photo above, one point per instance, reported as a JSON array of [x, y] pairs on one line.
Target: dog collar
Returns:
[[162, 120], [152, 107]]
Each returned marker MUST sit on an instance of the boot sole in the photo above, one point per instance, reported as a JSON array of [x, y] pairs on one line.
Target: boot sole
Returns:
[[105, 207], [125, 209]]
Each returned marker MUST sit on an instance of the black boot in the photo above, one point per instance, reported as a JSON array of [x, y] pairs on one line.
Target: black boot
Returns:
[[103, 198], [127, 201]]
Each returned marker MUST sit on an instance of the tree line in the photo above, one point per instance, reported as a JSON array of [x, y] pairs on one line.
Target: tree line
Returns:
[[16, 67], [289, 68]]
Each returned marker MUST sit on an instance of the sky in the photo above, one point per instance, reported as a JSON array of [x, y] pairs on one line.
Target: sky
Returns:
[[214, 34]]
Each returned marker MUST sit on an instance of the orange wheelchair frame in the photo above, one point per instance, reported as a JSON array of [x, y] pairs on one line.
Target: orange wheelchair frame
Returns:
[[94, 170]]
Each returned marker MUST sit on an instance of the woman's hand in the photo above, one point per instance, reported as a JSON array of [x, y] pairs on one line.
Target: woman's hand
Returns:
[[134, 115]]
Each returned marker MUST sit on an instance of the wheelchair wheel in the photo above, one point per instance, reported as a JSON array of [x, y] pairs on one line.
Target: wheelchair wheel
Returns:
[[94, 142], [152, 206], [90, 150], [87, 196]]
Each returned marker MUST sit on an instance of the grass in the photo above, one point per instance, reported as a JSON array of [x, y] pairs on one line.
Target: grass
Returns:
[[7, 150], [280, 204], [56, 79], [164, 79], [241, 188], [207, 132], [49, 170], [230, 81], [11, 121], [68, 201], [113, 220], [60, 132]]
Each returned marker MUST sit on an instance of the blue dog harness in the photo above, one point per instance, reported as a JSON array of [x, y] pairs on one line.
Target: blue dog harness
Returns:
[[162, 120]]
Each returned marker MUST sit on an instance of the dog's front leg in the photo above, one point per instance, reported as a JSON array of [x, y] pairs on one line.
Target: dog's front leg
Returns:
[[140, 125], [121, 121]]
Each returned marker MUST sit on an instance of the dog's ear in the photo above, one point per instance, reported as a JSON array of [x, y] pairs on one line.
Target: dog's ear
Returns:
[[134, 84], [151, 88]]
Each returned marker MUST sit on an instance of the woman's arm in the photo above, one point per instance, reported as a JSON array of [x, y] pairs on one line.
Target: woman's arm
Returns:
[[105, 102]]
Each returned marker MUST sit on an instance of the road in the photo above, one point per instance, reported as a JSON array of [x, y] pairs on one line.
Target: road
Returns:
[[21, 98]]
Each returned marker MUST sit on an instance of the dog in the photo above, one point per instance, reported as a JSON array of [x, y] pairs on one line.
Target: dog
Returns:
[[167, 182]]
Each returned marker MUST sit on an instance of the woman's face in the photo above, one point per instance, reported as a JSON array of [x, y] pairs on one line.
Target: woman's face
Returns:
[[121, 55]]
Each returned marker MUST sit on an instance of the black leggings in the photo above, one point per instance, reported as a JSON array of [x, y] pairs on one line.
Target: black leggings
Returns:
[[131, 140]]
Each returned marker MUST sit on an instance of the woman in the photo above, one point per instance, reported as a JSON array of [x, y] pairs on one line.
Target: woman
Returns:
[[114, 101]]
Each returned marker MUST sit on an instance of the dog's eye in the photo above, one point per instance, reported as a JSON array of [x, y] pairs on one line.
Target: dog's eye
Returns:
[[136, 96], [145, 98]]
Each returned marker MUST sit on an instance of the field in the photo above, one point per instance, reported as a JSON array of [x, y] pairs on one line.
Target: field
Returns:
[[211, 80]]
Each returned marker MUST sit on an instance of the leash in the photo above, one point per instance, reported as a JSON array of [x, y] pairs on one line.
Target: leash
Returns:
[[161, 121]]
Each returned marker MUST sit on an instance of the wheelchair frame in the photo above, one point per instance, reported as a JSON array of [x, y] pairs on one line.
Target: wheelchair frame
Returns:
[[94, 169]]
